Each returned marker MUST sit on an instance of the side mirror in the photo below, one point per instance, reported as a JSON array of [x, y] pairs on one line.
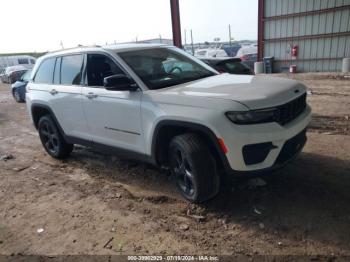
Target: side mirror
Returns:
[[119, 83]]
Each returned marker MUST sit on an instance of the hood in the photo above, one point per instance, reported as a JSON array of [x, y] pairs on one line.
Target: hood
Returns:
[[255, 92]]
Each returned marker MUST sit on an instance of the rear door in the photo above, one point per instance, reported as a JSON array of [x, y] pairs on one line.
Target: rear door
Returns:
[[65, 95], [113, 117]]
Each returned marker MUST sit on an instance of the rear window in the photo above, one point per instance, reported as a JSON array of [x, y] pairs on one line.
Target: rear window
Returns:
[[71, 70], [45, 72], [23, 61]]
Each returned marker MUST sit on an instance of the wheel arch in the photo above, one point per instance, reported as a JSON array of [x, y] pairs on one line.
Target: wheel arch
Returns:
[[39, 110], [165, 130]]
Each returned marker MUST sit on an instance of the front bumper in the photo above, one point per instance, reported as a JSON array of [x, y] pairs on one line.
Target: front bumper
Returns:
[[262, 147]]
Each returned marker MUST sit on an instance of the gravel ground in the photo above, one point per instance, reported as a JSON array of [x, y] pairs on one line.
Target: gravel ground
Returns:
[[93, 203]]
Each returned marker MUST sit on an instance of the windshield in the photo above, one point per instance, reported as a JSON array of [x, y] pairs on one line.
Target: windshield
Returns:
[[164, 67]]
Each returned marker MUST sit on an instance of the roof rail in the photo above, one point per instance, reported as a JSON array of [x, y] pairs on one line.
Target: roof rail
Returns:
[[72, 48]]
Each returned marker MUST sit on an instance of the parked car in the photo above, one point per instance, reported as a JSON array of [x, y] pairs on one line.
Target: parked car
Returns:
[[249, 60], [210, 52], [18, 89], [189, 118], [2, 74], [13, 73], [228, 65], [248, 55]]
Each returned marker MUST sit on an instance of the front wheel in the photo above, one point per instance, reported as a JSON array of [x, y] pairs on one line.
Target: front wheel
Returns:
[[194, 168], [51, 138]]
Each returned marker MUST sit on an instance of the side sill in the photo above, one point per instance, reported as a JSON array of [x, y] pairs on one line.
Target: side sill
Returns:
[[125, 153]]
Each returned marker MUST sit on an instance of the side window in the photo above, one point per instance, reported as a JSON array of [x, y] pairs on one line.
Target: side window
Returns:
[[45, 73], [56, 76], [71, 69], [99, 67]]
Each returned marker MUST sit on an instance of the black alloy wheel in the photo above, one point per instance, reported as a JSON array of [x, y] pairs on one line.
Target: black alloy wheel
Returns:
[[51, 138]]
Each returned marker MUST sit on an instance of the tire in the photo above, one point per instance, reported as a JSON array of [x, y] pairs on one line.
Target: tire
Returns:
[[52, 140], [17, 96], [194, 168]]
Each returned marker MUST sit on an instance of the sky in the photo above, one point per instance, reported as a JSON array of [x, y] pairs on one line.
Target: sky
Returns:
[[46, 25]]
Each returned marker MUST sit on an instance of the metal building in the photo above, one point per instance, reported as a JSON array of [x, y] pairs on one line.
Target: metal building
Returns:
[[314, 35]]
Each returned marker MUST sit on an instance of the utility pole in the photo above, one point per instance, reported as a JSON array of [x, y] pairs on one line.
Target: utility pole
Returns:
[[192, 43], [175, 20], [185, 34], [229, 34]]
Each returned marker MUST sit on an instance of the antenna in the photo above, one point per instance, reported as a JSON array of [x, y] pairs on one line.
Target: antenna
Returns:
[[192, 43], [229, 34]]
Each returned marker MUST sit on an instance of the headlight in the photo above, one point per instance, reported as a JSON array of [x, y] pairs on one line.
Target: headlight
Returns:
[[254, 117]]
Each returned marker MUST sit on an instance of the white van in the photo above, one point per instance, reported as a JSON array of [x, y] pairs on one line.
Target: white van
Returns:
[[23, 60]]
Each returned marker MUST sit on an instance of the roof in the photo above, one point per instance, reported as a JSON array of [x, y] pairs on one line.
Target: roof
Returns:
[[135, 46], [15, 68], [117, 47]]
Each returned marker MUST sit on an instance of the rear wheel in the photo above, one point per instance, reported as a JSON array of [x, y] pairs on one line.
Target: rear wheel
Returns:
[[52, 139], [194, 168]]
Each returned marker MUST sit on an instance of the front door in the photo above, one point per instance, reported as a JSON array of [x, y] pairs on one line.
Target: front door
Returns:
[[113, 117]]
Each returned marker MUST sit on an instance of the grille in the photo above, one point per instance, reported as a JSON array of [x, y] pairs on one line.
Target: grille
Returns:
[[288, 112]]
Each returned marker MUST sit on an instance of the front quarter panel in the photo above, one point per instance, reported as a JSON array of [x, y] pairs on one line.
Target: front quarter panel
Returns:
[[210, 113], [207, 112]]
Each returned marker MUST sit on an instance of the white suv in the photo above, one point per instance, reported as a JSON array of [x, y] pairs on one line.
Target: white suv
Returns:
[[161, 105]]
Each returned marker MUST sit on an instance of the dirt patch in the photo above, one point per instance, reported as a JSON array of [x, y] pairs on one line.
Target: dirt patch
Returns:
[[317, 76], [96, 203], [329, 94], [330, 124]]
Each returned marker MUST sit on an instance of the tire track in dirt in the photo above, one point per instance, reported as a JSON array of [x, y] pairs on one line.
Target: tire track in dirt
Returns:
[[329, 94], [330, 124]]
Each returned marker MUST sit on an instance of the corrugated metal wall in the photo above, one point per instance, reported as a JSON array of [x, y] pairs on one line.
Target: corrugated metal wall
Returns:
[[320, 28]]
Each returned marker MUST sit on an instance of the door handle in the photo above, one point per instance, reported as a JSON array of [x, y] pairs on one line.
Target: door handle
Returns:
[[53, 92], [91, 95]]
